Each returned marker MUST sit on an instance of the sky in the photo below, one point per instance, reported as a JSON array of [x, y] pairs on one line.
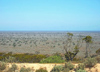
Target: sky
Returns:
[[49, 15]]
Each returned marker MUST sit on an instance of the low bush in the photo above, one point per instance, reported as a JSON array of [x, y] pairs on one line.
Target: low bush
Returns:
[[21, 58], [10, 59], [58, 68], [98, 58], [65, 70], [53, 59], [69, 65], [41, 70], [2, 65], [80, 70], [98, 51], [80, 66], [90, 62], [25, 69], [13, 68]]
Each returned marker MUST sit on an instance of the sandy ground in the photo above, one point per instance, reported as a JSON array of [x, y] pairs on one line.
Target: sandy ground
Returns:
[[49, 66], [34, 66]]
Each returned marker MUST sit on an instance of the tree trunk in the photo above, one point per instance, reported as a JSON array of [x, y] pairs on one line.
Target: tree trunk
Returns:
[[87, 45]]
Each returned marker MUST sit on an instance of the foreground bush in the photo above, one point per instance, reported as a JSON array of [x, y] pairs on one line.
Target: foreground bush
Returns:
[[13, 68], [90, 62], [69, 65], [66, 70], [25, 69], [41, 70], [80, 66], [53, 59], [2, 65], [80, 70], [58, 68]]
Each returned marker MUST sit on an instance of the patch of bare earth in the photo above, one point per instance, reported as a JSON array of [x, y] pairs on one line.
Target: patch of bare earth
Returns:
[[49, 66]]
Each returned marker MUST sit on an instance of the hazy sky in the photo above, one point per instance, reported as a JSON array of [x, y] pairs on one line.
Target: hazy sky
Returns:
[[49, 15]]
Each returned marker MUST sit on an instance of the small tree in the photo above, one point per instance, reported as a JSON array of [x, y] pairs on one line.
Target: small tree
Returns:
[[69, 55], [88, 40]]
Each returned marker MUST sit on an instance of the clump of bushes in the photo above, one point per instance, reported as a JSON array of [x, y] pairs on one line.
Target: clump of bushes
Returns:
[[21, 58], [66, 68], [90, 62], [29, 58], [2, 65], [13, 68], [58, 68], [53, 59], [41, 70], [80, 66], [69, 65], [25, 69], [10, 59]]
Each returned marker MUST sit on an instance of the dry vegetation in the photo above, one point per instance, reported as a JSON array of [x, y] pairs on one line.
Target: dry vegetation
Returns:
[[19, 50], [43, 42]]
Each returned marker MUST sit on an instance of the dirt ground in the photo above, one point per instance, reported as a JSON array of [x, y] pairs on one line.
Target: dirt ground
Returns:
[[49, 66]]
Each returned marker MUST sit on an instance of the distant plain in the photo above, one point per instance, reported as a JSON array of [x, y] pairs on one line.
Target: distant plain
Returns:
[[43, 42]]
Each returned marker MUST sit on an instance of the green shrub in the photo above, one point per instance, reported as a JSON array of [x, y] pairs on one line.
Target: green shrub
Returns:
[[10, 59], [80, 70], [90, 62], [69, 65], [57, 68], [53, 59], [23, 58], [25, 69], [80, 66], [2, 66], [41, 70]]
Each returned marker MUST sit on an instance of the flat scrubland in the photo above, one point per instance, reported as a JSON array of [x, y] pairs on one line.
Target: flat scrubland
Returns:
[[33, 51], [43, 42]]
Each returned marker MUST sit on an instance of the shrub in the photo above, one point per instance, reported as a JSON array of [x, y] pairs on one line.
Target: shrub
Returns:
[[25, 69], [22, 58], [80, 66], [98, 58], [41, 70], [80, 70], [10, 59], [65, 70], [13, 68], [2, 66], [69, 65], [90, 62], [98, 51], [53, 59], [57, 68]]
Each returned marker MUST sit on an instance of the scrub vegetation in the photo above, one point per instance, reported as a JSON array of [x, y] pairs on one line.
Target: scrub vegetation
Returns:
[[68, 57]]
